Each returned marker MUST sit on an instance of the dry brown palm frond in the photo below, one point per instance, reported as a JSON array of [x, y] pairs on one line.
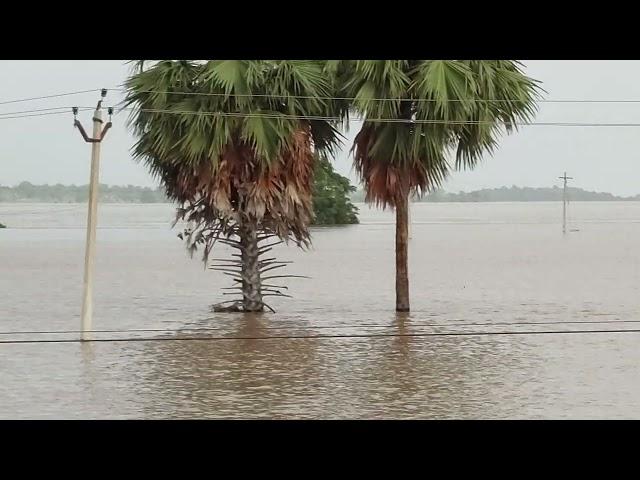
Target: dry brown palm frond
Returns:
[[384, 181], [277, 196]]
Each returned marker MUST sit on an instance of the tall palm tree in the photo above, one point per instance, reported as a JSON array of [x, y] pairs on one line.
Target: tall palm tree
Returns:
[[438, 108], [234, 142]]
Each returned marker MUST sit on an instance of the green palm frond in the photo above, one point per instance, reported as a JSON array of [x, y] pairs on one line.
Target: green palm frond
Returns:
[[254, 157], [448, 106]]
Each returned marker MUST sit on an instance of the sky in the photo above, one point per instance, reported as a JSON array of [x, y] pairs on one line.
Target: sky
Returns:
[[47, 149]]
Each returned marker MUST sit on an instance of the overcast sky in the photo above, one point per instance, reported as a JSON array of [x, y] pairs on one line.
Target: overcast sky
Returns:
[[48, 150]]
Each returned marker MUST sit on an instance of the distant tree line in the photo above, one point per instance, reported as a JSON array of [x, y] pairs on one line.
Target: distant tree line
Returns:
[[331, 203], [27, 192], [514, 194]]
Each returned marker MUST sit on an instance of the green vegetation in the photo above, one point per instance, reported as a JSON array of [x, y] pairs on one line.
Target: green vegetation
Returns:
[[437, 107], [233, 142], [331, 204], [524, 194], [29, 193], [244, 176], [2, 225], [514, 194]]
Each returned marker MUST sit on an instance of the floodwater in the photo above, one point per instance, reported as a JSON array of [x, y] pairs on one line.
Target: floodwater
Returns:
[[484, 278]]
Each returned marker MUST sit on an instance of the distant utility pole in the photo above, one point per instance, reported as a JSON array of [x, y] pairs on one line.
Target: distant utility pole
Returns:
[[89, 258], [564, 202]]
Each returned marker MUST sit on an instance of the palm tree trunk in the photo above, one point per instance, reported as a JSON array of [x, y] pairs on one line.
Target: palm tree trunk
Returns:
[[402, 256], [251, 282]]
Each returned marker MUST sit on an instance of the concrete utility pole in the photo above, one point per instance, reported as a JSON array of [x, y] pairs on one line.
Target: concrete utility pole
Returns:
[[564, 202], [89, 258]]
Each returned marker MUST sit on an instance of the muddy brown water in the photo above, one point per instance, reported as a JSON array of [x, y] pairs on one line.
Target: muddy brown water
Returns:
[[476, 269]]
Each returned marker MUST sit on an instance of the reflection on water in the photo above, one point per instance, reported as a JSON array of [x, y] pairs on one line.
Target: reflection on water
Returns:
[[399, 377], [488, 264], [235, 378]]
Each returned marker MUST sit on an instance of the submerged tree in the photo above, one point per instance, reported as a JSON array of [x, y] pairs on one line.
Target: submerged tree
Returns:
[[331, 202], [234, 143], [418, 112]]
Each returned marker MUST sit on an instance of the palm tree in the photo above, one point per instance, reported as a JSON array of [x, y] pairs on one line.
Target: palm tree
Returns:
[[436, 108], [234, 142]]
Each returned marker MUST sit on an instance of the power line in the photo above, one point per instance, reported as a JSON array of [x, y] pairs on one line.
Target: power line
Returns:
[[43, 112], [65, 109], [66, 94], [284, 97], [216, 94], [380, 99], [327, 336], [377, 120], [34, 115], [385, 120], [319, 327]]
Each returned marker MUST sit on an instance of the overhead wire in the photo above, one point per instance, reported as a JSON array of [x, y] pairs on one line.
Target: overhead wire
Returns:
[[325, 118], [316, 327], [63, 110], [322, 336], [41, 114], [43, 97], [377, 120], [381, 99], [37, 110], [50, 111]]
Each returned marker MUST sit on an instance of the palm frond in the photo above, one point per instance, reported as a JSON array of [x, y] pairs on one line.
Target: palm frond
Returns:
[[222, 168], [447, 106]]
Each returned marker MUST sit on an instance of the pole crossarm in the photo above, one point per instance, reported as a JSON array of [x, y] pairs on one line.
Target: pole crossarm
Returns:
[[76, 123]]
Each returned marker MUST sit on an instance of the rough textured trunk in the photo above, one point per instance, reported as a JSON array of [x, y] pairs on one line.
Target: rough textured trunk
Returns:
[[402, 256], [251, 283]]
